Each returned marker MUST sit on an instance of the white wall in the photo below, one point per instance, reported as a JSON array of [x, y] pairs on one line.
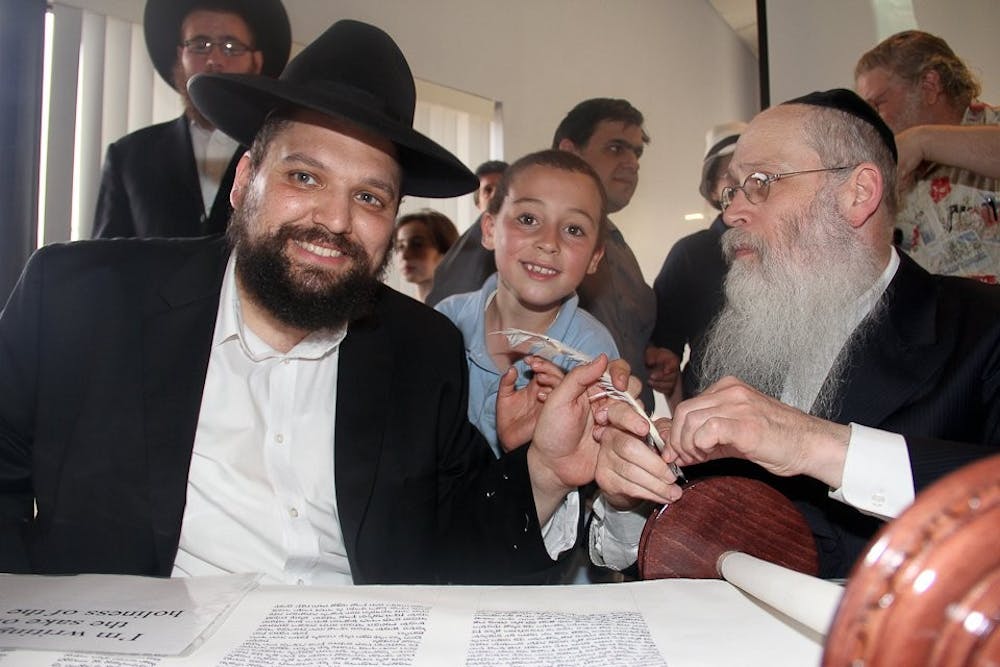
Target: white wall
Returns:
[[814, 44]]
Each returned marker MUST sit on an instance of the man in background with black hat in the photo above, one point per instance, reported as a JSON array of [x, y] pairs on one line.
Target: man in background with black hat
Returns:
[[262, 402], [851, 377], [173, 179]]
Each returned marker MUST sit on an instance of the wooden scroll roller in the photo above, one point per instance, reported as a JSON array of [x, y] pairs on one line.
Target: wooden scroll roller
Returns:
[[927, 591], [716, 515]]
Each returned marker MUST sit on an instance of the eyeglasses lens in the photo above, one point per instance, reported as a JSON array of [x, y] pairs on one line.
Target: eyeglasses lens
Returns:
[[202, 46], [755, 189]]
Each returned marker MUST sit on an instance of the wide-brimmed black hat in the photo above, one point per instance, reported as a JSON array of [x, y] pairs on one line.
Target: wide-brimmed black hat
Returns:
[[355, 72], [266, 19]]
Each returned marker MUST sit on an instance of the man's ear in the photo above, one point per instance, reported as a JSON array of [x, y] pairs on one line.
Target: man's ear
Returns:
[[930, 86], [862, 194], [241, 181], [569, 146], [487, 224], [595, 259]]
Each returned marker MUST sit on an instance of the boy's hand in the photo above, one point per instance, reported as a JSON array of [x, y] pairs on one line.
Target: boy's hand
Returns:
[[563, 452], [628, 470], [518, 409]]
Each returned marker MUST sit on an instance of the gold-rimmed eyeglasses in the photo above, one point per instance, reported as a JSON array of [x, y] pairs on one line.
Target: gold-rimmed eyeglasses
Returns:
[[757, 185]]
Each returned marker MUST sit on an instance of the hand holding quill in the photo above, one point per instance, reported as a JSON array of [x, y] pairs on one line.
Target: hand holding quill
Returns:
[[552, 349]]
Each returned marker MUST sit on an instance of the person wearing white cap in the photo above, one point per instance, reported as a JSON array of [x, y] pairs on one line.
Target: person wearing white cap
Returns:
[[689, 286]]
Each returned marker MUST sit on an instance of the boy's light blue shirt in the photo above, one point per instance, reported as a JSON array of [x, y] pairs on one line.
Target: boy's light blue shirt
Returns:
[[573, 326]]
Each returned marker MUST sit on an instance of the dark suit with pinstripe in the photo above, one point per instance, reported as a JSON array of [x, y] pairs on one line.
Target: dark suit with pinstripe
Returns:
[[929, 370]]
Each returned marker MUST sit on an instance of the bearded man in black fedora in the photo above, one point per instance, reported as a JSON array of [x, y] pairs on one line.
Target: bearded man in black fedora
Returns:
[[173, 178], [262, 402]]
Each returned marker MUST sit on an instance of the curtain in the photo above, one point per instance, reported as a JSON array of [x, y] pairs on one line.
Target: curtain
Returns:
[[21, 66], [99, 85]]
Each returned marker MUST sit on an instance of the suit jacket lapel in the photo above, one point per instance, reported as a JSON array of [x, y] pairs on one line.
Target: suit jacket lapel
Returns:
[[179, 154], [218, 218], [179, 322], [902, 352], [364, 381]]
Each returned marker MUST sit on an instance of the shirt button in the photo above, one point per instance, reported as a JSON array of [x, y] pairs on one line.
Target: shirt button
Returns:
[[279, 438], [294, 513], [878, 499], [300, 582]]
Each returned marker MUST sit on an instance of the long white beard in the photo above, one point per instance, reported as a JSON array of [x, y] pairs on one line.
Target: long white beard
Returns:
[[789, 311]]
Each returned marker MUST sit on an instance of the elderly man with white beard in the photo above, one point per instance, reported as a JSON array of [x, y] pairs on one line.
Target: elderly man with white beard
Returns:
[[839, 371]]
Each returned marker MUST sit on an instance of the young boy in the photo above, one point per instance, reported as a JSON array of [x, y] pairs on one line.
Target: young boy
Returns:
[[546, 223]]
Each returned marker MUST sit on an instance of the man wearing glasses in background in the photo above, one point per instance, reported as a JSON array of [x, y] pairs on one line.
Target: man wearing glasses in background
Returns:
[[173, 179]]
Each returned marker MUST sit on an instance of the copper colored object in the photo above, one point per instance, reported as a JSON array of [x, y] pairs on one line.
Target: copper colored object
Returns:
[[718, 514], [928, 590]]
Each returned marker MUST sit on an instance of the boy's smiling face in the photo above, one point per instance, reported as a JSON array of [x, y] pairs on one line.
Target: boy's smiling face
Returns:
[[545, 235]]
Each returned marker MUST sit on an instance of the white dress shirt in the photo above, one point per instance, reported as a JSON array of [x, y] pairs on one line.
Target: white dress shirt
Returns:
[[261, 494], [213, 151], [877, 478]]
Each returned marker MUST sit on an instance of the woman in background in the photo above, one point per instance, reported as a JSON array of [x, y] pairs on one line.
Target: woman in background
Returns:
[[422, 239]]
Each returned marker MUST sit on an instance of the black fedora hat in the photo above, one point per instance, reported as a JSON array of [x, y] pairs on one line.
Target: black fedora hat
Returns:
[[267, 20], [355, 72]]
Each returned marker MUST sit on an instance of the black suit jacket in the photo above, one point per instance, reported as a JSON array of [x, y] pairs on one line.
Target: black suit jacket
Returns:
[[690, 288], [104, 347], [150, 187], [928, 370]]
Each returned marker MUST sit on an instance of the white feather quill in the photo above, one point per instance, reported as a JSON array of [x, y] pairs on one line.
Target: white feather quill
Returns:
[[551, 348]]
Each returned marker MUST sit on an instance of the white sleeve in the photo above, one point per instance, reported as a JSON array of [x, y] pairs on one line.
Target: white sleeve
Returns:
[[877, 476], [614, 535], [559, 532]]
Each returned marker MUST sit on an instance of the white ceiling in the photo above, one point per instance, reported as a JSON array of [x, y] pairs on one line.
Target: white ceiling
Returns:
[[741, 15]]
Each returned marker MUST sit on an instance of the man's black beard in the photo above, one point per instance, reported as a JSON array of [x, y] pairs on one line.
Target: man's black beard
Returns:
[[306, 298]]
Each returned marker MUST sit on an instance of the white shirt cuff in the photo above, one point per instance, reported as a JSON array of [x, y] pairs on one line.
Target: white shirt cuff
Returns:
[[877, 477], [614, 534], [559, 532]]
